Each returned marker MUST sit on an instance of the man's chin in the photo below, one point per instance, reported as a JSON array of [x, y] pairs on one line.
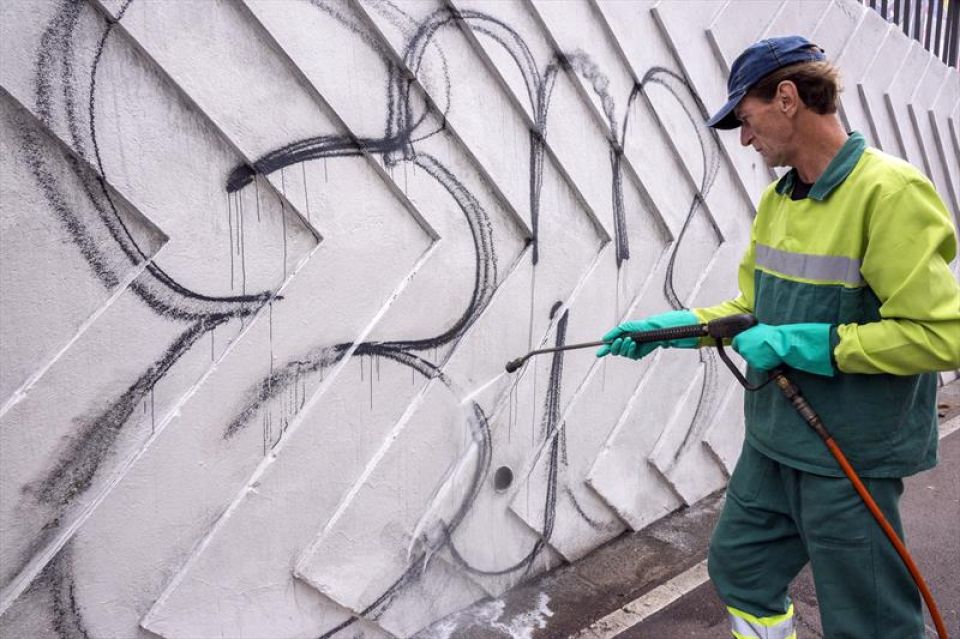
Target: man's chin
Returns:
[[772, 163]]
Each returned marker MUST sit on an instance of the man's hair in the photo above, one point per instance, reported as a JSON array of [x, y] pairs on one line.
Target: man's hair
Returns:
[[818, 85]]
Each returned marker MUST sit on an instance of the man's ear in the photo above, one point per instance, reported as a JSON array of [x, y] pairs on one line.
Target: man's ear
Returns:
[[787, 98]]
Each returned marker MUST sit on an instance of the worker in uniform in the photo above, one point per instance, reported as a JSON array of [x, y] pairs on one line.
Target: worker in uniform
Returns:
[[847, 272]]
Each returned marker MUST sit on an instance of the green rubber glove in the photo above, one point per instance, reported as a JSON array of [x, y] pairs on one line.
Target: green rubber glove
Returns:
[[625, 347], [805, 347]]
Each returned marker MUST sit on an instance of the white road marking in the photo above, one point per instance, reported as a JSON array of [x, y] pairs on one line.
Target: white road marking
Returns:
[[646, 605], [949, 427]]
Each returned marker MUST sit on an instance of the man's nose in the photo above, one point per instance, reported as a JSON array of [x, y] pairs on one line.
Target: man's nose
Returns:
[[746, 135]]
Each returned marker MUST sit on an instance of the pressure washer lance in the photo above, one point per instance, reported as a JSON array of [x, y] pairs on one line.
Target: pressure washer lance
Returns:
[[729, 327], [722, 328]]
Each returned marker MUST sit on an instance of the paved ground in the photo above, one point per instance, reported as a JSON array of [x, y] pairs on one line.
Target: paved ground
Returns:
[[625, 588]]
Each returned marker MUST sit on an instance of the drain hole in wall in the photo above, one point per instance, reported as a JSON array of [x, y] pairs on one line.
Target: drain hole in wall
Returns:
[[502, 479]]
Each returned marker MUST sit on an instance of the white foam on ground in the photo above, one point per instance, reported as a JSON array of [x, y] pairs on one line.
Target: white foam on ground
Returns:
[[488, 616]]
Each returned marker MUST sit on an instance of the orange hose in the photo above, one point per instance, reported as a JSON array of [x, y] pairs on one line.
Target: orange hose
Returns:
[[891, 535]]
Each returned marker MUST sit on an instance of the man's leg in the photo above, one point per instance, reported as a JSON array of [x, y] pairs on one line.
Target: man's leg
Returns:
[[863, 588], [756, 549]]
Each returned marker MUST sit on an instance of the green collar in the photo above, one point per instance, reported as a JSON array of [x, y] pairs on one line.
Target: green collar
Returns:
[[837, 171]]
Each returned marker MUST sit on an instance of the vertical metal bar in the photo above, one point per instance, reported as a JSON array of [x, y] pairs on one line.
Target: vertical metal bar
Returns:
[[948, 34], [873, 4], [896, 11], [937, 51], [906, 18], [926, 40], [954, 27], [917, 22], [883, 8]]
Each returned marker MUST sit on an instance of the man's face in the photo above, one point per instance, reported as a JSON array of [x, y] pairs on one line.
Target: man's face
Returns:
[[766, 128]]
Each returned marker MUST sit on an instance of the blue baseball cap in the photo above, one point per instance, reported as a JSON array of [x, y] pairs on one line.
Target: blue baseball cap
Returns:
[[758, 61]]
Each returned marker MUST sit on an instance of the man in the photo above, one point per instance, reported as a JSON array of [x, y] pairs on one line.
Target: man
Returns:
[[847, 272]]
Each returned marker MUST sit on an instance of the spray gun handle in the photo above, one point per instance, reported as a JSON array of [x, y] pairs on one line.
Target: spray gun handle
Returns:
[[730, 326], [720, 328]]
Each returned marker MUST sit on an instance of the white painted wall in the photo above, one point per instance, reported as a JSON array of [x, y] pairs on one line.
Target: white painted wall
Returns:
[[271, 402]]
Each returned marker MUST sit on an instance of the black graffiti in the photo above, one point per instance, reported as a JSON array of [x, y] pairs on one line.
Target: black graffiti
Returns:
[[480, 430], [75, 471], [680, 90], [57, 579], [159, 291], [485, 277], [398, 138], [688, 100]]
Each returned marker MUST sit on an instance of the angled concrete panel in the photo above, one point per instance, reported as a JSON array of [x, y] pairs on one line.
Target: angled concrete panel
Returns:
[[873, 88], [837, 23], [934, 80], [898, 97], [731, 34], [944, 146], [578, 152], [570, 250], [805, 17], [263, 263], [283, 360], [855, 61], [691, 40], [48, 285]]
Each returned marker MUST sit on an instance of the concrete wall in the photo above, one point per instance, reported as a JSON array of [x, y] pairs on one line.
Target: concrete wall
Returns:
[[263, 262]]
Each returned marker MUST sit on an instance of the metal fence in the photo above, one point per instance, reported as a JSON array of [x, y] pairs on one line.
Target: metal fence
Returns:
[[934, 23]]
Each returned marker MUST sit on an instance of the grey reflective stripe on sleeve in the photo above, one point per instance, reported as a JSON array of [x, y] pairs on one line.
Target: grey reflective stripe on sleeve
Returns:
[[743, 629], [822, 268]]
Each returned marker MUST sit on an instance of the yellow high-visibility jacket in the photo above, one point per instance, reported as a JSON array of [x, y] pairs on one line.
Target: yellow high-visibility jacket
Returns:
[[868, 252]]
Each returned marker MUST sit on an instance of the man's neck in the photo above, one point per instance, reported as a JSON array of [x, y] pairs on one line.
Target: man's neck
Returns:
[[820, 138]]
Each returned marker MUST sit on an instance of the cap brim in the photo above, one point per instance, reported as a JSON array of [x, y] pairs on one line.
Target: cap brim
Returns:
[[725, 118]]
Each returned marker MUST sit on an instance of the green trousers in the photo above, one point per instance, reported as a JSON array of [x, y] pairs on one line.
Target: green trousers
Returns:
[[777, 518]]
